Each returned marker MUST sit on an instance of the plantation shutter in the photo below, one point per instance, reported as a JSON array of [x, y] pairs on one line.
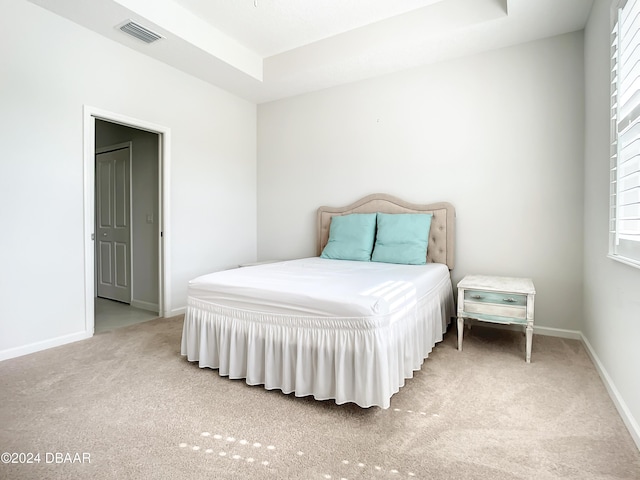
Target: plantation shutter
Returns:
[[625, 150]]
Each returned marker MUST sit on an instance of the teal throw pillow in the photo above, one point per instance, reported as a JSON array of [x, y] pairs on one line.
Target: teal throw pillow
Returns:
[[351, 237], [402, 238]]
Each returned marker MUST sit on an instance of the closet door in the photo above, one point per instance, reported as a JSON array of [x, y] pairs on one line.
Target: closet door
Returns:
[[113, 224]]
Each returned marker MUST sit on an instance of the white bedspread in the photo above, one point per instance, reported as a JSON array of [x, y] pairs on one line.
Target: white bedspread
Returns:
[[334, 329]]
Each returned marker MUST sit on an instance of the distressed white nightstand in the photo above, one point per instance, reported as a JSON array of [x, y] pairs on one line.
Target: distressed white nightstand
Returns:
[[506, 300]]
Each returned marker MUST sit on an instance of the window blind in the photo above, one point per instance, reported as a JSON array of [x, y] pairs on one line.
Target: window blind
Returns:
[[625, 133]]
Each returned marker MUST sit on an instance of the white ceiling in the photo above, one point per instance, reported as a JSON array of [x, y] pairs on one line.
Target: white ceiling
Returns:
[[269, 27], [264, 50]]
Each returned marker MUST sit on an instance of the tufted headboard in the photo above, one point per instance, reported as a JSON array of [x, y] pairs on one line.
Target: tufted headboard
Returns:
[[441, 235]]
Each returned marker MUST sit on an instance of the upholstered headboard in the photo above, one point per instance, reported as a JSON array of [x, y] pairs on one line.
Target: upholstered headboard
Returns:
[[441, 236]]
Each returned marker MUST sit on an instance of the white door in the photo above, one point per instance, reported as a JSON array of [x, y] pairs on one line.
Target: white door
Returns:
[[113, 224]]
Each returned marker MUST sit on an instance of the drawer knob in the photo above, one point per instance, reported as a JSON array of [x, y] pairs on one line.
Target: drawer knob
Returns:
[[476, 297], [510, 300]]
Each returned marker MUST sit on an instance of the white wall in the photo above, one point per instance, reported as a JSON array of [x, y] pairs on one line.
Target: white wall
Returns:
[[145, 165], [499, 135], [611, 323], [51, 67]]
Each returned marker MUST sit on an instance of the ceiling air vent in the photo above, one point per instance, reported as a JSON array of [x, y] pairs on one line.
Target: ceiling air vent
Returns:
[[136, 30]]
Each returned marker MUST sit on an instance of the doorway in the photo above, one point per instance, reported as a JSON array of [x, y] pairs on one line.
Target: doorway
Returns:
[[125, 250], [127, 204]]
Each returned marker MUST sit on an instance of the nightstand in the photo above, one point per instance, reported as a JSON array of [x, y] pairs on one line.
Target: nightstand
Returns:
[[505, 300]]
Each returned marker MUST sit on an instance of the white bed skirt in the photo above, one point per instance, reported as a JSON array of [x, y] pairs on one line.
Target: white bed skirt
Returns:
[[345, 359]]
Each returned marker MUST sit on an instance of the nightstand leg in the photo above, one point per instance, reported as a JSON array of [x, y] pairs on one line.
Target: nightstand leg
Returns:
[[460, 332], [529, 341]]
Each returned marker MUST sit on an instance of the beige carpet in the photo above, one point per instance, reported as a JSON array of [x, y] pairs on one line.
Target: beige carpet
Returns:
[[129, 401]]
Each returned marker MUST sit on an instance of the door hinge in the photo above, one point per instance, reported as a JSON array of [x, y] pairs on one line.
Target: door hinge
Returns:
[[93, 236]]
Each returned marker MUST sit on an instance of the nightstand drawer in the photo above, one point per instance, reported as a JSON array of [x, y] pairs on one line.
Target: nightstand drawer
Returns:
[[492, 309], [481, 296]]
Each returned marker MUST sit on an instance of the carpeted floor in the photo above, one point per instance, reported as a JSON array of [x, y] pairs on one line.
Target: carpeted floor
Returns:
[[124, 404]]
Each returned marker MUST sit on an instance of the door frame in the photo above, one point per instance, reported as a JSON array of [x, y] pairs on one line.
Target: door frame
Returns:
[[90, 114]]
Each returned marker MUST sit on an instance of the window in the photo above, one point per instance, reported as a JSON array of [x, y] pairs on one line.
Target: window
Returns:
[[624, 211]]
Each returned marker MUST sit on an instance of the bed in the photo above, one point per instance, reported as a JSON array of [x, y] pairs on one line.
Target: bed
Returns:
[[334, 328]]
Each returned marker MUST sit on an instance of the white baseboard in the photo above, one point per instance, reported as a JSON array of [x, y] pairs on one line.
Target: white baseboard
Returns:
[[44, 345], [548, 331], [558, 332], [151, 307], [176, 311], [621, 406], [63, 340]]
